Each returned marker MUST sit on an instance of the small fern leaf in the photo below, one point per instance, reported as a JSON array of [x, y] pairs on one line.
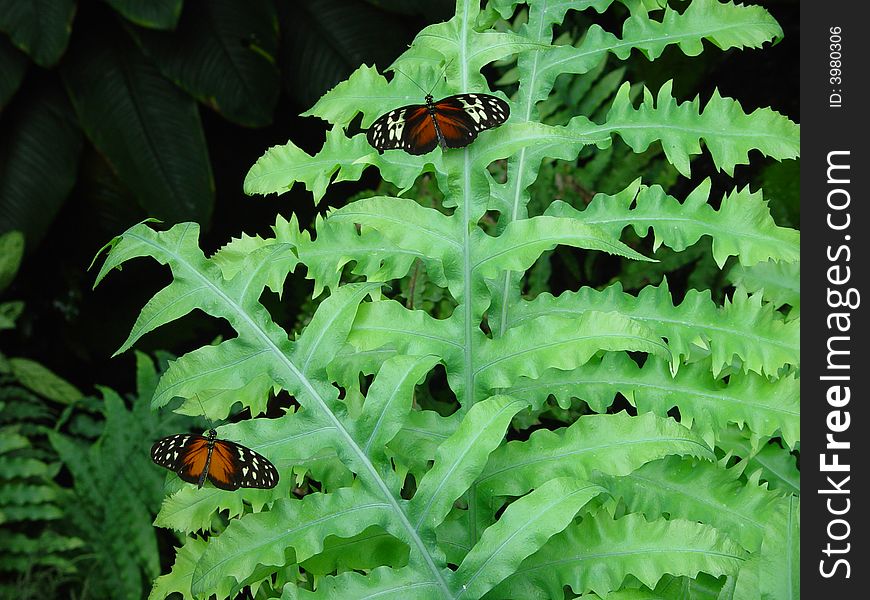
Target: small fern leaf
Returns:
[[460, 459], [231, 258], [771, 462], [29, 493], [410, 332], [30, 512], [15, 467], [697, 491], [538, 139], [558, 342], [387, 405], [343, 102], [601, 552], [743, 327], [741, 227], [383, 583], [12, 440], [525, 526], [465, 49], [767, 407], [327, 330], [283, 166], [178, 580], [778, 282], [614, 444], [428, 233], [194, 278], [366, 551], [523, 242], [190, 509], [263, 538], [416, 444], [338, 243], [230, 365], [728, 132], [725, 25], [779, 564]]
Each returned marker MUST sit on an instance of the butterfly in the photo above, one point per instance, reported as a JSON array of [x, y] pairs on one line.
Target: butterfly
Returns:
[[452, 122], [227, 465]]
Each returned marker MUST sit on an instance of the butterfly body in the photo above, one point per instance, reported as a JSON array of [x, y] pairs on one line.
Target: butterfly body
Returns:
[[226, 464], [452, 122]]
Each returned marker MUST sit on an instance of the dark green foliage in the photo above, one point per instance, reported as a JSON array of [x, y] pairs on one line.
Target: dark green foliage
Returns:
[[11, 252], [490, 391], [117, 491], [327, 39], [78, 491], [13, 65], [38, 160], [40, 28], [36, 550], [154, 14], [88, 527], [223, 54], [586, 441], [134, 71], [36, 544], [147, 128]]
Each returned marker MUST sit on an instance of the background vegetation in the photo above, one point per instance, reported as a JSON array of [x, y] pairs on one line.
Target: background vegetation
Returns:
[[115, 110]]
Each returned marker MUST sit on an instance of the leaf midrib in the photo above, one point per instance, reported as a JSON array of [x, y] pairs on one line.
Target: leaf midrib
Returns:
[[674, 322], [669, 440], [288, 364]]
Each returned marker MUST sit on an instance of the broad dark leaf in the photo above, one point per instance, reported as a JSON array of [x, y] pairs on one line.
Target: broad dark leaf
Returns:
[[148, 129], [433, 10], [223, 54], [104, 196], [155, 14], [325, 40], [13, 65], [11, 252], [40, 28], [39, 157]]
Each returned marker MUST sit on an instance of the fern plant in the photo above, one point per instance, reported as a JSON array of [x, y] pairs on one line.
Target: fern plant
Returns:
[[93, 537], [36, 556], [390, 490], [115, 494]]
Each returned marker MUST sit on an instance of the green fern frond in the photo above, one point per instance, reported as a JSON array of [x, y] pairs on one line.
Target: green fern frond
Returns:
[[741, 227], [601, 552], [743, 327], [767, 407], [778, 283], [698, 491], [373, 455], [615, 444], [725, 25], [728, 133]]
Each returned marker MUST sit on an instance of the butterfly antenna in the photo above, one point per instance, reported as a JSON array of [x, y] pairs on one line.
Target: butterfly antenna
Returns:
[[444, 70], [202, 408], [412, 81]]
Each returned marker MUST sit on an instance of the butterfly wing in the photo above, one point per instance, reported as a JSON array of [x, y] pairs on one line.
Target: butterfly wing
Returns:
[[230, 466], [183, 453], [233, 466], [463, 116], [409, 128]]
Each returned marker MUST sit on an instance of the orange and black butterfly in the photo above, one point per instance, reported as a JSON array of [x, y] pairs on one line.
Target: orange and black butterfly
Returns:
[[227, 465], [453, 122]]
